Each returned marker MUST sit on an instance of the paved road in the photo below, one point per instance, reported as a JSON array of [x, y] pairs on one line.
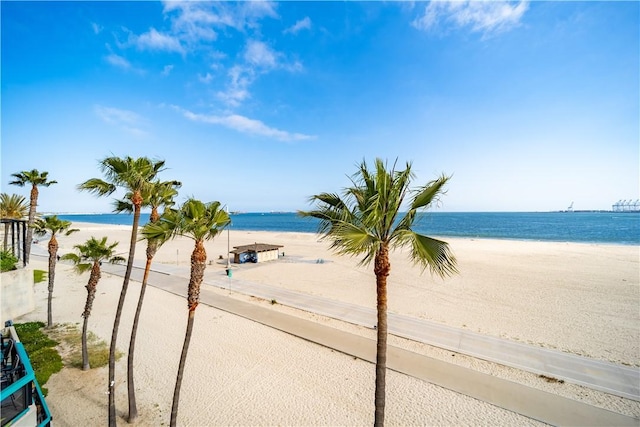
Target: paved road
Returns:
[[539, 405], [604, 376]]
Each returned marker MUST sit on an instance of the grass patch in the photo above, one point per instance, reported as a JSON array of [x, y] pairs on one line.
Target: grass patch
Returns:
[[71, 337], [39, 276], [42, 352], [51, 349]]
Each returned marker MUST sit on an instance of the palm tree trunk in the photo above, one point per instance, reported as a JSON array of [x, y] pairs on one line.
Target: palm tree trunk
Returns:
[[198, 264], [137, 200], [53, 251], [133, 409], [183, 359], [33, 203], [92, 285], [85, 350], [381, 269]]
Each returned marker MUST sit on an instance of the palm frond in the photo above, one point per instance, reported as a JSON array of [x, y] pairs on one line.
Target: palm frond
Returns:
[[123, 205], [430, 253], [429, 193], [97, 186]]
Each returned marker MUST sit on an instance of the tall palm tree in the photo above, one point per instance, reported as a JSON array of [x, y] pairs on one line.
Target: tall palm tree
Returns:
[[35, 178], [12, 206], [198, 221], [90, 256], [53, 225], [367, 221], [133, 175], [157, 194]]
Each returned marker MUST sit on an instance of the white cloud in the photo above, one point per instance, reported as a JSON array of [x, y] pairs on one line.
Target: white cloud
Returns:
[[260, 54], [303, 24], [97, 29], [167, 70], [153, 40], [240, 78], [194, 22], [118, 61], [257, 58], [245, 125], [206, 79], [487, 17], [125, 120]]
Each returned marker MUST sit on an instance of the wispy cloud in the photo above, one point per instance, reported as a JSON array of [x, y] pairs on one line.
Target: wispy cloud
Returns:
[[206, 79], [194, 22], [167, 70], [259, 54], [257, 58], [191, 28], [122, 63], [303, 24], [125, 120], [244, 125], [153, 40], [487, 17], [118, 61], [97, 29]]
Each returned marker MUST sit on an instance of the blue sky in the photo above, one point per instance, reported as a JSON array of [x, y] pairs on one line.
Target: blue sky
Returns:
[[528, 105]]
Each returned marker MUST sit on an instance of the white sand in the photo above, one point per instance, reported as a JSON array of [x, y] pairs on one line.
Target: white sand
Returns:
[[579, 298]]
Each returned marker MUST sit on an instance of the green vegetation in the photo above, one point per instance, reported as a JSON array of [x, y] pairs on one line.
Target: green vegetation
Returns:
[[8, 261], [70, 337], [41, 349], [44, 349], [39, 276]]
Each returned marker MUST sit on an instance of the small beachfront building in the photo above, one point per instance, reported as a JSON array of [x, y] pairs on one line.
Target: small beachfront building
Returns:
[[257, 252]]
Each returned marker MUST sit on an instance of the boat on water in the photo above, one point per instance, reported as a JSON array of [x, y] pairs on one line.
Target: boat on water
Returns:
[[22, 401]]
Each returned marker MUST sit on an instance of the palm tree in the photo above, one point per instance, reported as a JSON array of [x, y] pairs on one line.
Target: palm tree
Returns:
[[11, 207], [366, 221], [198, 221], [156, 195], [35, 178], [90, 257], [133, 175], [54, 225]]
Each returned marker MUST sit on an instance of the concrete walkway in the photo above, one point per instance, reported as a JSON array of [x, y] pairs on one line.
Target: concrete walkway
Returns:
[[546, 407]]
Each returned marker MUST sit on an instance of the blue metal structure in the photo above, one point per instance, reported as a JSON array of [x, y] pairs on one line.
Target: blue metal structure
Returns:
[[22, 401]]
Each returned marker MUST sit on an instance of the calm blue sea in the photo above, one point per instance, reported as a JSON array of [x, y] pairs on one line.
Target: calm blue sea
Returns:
[[586, 227]]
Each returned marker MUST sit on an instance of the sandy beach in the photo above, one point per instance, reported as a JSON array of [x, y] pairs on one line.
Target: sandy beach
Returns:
[[577, 298]]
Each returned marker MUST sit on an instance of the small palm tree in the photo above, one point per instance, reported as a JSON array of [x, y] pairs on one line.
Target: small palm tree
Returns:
[[12, 207], [53, 225], [198, 221], [90, 256], [133, 175], [35, 178], [157, 194], [367, 221]]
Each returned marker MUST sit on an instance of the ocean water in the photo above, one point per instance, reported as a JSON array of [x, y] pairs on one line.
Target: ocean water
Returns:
[[584, 227]]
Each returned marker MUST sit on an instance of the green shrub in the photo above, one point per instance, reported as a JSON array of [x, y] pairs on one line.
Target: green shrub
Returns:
[[8, 261]]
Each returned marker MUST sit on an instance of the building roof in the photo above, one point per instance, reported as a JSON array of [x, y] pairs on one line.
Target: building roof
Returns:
[[255, 247]]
